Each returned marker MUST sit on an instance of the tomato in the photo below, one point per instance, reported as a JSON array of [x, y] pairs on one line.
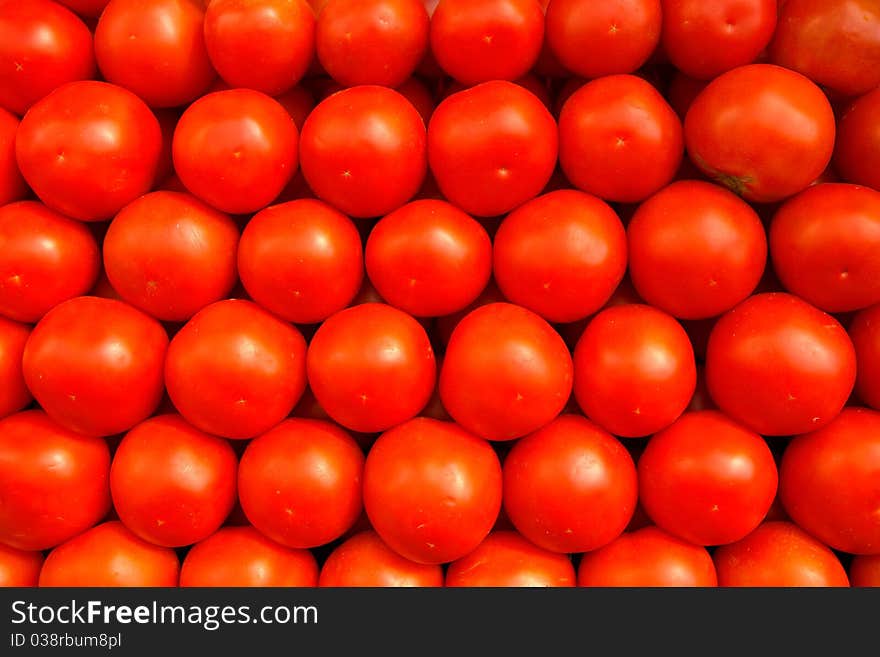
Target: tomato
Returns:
[[416, 91], [371, 367], [53, 482], [12, 185], [857, 150], [647, 557], [764, 131], [705, 39], [506, 372], [492, 147], [372, 41], [595, 39], [235, 370], [364, 560], [505, 558], [815, 465], [432, 491], [88, 149], [42, 46], [299, 101], [110, 555], [19, 567], [634, 370], [560, 255], [300, 482], [85, 8], [235, 149], [695, 249], [680, 94], [242, 557], [45, 258], [864, 570], [778, 554], [864, 330], [266, 45], [14, 394], [779, 366], [429, 258], [619, 139], [95, 365]]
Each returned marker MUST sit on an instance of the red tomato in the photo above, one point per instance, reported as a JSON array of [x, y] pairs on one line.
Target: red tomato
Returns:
[[864, 570], [85, 8], [505, 558], [53, 482], [619, 139], [570, 486], [45, 258], [243, 557], [20, 568], [560, 255], [89, 148], [14, 394], [864, 330], [764, 131], [432, 491], [506, 372], [429, 258], [266, 45], [648, 557], [829, 482], [778, 554], [364, 560], [681, 92], [12, 185], [779, 365], [416, 91], [95, 365], [42, 46], [492, 147], [235, 149], [235, 370], [110, 555], [857, 150], [299, 102], [696, 250], [371, 367], [634, 370]]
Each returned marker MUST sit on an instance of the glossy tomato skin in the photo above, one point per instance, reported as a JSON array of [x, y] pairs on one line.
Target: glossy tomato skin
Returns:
[[95, 365], [243, 557], [110, 555], [505, 558], [364, 560], [857, 149], [764, 131], [492, 147], [648, 557], [864, 330], [12, 185], [429, 258], [235, 370], [89, 148], [43, 45], [45, 258], [506, 372], [14, 393], [432, 491], [19, 568], [54, 482], [634, 370], [371, 367], [560, 255], [619, 139], [778, 554], [813, 469], [864, 570], [757, 373], [695, 249]]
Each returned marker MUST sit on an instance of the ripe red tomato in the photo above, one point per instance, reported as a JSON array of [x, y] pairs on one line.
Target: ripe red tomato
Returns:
[[243, 557], [110, 555], [429, 258], [505, 558], [95, 365], [695, 249], [757, 371], [492, 147], [88, 149], [432, 491], [764, 131], [560, 255], [680, 94], [864, 570], [864, 330], [648, 557], [12, 185], [634, 370], [14, 393], [45, 258], [857, 149], [19, 567], [235, 370], [364, 560], [619, 139]]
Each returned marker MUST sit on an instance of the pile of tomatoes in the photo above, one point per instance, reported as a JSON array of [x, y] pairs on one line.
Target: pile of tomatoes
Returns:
[[462, 293]]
